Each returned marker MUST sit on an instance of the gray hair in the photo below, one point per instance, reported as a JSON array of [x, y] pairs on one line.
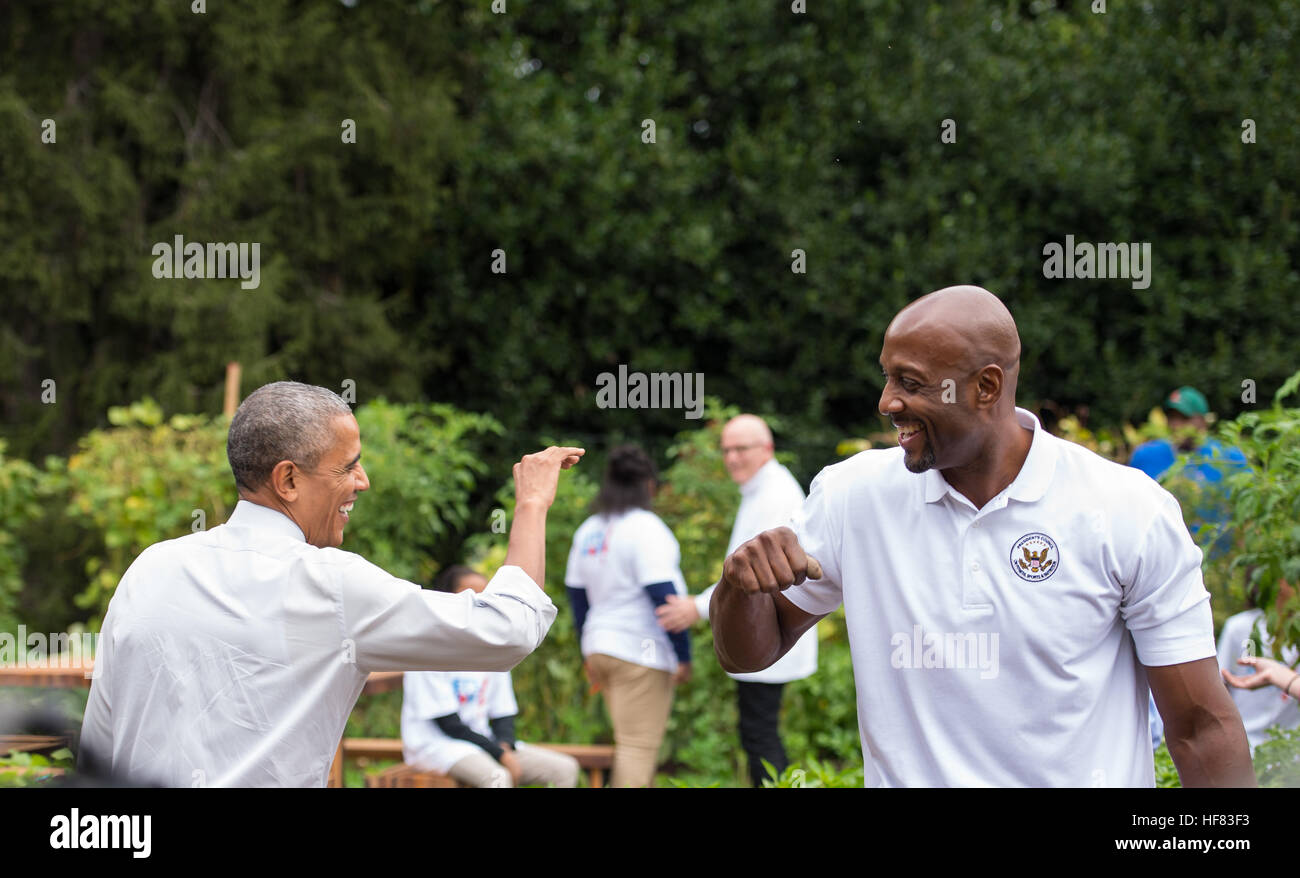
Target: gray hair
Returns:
[[281, 421]]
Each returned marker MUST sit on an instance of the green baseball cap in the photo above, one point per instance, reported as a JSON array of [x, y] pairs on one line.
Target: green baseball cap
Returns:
[[1188, 401]]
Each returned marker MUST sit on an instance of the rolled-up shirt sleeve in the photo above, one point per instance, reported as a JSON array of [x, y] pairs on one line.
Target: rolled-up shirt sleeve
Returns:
[[1165, 605], [394, 625]]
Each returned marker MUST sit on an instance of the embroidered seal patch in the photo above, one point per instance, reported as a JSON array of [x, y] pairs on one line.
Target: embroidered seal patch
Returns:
[[1035, 557]]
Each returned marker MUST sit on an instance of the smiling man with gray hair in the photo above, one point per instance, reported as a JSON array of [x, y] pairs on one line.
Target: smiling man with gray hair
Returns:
[[232, 657]]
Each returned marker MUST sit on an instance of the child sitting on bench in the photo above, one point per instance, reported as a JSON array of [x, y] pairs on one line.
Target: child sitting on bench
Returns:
[[461, 723]]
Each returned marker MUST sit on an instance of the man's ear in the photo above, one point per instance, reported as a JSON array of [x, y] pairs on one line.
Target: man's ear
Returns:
[[284, 481], [989, 383]]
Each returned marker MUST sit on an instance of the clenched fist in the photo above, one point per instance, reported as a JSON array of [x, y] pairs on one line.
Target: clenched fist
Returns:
[[770, 562]]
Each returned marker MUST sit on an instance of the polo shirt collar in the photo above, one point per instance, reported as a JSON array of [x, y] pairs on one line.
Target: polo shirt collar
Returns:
[[1035, 475], [264, 519]]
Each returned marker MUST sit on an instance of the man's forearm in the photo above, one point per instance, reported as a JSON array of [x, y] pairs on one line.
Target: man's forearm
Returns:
[[527, 548], [746, 629], [1214, 753]]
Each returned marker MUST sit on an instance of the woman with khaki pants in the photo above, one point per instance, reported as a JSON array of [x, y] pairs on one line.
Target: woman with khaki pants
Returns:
[[623, 564]]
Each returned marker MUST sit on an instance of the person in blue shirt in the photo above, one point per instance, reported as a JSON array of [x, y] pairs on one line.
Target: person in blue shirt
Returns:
[[1186, 410]]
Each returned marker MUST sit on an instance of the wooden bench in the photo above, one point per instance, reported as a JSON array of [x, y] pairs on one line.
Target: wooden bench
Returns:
[[37, 745], [595, 759]]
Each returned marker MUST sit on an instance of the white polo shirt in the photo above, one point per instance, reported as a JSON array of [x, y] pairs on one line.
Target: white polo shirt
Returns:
[[232, 657], [770, 498], [477, 698], [1005, 646], [614, 558], [1260, 708]]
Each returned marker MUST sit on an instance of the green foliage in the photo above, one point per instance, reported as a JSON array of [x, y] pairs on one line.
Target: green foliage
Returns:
[[424, 463], [816, 775], [26, 769], [1166, 772], [1277, 760], [523, 132], [20, 484], [1262, 513], [144, 480]]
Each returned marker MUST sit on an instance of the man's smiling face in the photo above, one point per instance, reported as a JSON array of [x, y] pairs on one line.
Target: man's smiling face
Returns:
[[325, 494], [933, 418]]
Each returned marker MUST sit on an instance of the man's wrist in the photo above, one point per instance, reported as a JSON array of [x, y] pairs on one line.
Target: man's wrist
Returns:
[[1287, 690], [530, 507]]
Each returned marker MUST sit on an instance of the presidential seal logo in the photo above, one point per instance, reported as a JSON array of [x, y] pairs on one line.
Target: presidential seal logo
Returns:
[[1035, 557]]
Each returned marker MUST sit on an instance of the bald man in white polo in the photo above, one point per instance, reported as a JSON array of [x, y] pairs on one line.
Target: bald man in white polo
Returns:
[[770, 496]]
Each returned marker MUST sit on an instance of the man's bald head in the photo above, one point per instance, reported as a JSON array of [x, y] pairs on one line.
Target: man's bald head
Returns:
[[746, 446], [968, 327], [951, 360]]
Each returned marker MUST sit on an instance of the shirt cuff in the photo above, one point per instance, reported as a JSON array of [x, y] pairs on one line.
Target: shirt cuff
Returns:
[[513, 581], [1186, 638], [702, 602]]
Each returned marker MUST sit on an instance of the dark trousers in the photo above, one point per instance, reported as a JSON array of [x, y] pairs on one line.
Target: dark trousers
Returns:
[[760, 711]]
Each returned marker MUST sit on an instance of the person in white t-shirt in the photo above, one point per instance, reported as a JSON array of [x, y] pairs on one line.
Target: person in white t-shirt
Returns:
[[624, 562], [233, 656], [462, 723], [1260, 710], [770, 496], [1009, 595]]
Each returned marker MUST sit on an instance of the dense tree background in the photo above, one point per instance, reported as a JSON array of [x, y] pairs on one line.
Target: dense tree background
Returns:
[[522, 131]]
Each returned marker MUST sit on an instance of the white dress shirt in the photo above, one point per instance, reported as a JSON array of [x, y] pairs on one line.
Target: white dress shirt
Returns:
[[1006, 645], [232, 657], [770, 498]]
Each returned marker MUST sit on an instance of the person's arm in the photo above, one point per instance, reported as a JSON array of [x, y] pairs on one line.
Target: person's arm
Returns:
[[753, 623], [1166, 609], [680, 613], [1268, 672], [503, 730], [681, 640], [454, 727], [536, 477], [1202, 726], [389, 624], [578, 600]]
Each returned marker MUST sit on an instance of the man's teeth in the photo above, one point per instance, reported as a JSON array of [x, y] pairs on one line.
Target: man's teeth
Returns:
[[346, 508], [904, 432]]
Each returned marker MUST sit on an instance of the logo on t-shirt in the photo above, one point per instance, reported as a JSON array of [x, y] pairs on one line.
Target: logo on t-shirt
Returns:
[[596, 543], [1035, 557], [468, 690]]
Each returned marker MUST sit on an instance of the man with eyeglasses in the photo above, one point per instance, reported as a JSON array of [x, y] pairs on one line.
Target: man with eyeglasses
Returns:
[[770, 496]]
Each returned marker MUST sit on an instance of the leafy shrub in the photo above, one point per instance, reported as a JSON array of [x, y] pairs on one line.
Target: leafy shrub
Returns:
[[143, 480], [1277, 760], [29, 769], [816, 775], [1261, 510], [20, 483], [423, 463]]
